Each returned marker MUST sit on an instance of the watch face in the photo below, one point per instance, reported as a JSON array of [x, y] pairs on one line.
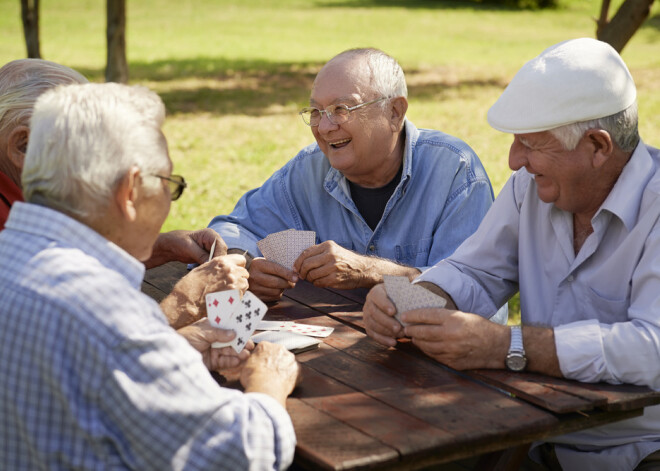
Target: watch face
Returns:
[[516, 362]]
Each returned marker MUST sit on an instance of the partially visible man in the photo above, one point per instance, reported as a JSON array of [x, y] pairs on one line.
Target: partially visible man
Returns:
[[21, 82], [93, 377], [383, 196], [577, 230]]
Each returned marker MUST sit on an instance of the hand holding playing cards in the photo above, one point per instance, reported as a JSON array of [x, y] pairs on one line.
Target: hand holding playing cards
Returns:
[[186, 247], [201, 335], [378, 313], [330, 265], [271, 369], [185, 303], [268, 280], [458, 339]]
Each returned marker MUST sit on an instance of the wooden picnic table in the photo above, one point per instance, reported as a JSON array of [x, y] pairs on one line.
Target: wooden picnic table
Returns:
[[363, 406]]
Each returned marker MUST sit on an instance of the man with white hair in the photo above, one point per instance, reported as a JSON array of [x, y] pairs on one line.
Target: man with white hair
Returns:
[[93, 377], [576, 230], [383, 197], [22, 81]]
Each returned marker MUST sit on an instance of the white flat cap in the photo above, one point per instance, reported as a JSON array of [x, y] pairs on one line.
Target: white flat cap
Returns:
[[573, 81]]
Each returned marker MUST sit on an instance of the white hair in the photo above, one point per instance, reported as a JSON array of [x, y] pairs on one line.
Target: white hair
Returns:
[[621, 126], [386, 76], [21, 83], [85, 138]]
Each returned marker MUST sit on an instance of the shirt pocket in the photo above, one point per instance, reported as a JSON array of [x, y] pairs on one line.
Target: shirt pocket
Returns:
[[415, 255], [605, 308]]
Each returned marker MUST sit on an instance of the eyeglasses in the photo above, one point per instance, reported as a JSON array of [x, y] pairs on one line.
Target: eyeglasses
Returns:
[[337, 114], [176, 183]]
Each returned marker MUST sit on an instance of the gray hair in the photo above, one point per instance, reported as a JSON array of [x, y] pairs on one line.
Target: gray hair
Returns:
[[21, 83], [85, 138], [621, 126], [387, 78]]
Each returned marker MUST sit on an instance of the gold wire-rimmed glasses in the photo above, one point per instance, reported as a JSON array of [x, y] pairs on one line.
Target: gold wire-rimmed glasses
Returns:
[[337, 114]]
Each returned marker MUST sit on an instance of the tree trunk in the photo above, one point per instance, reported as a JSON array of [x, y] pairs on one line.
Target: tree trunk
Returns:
[[117, 67], [623, 25], [30, 17]]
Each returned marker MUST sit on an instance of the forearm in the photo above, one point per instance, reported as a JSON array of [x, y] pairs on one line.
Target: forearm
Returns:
[[539, 344], [181, 306], [376, 267]]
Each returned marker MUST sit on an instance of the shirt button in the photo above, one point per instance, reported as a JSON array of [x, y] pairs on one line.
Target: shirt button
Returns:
[[372, 248], [570, 278]]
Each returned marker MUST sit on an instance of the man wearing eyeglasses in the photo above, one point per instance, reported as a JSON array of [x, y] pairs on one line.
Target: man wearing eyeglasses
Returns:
[[21, 83], [383, 196], [93, 376]]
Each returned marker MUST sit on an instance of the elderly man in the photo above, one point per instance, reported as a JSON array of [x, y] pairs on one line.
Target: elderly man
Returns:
[[577, 230], [383, 196], [93, 377], [21, 83]]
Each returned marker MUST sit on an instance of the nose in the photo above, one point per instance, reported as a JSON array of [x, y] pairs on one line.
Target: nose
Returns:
[[517, 155], [325, 125]]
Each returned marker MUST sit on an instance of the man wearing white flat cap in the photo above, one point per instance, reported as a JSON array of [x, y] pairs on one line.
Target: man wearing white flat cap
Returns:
[[576, 230]]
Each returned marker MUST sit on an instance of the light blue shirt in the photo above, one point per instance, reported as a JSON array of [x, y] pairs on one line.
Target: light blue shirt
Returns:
[[604, 303], [442, 197], [93, 377]]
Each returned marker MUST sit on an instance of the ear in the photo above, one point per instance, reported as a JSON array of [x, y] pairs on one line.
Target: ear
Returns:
[[603, 146], [398, 107], [127, 193], [17, 146]]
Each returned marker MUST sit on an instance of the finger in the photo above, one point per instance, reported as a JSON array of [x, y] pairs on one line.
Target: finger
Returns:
[[234, 258], [428, 316], [381, 339], [378, 296], [307, 253]]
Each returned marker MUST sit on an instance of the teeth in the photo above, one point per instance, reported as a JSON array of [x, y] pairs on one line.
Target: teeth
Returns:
[[339, 142]]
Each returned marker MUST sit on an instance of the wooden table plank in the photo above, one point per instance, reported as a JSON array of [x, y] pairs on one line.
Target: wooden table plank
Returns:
[[540, 389]]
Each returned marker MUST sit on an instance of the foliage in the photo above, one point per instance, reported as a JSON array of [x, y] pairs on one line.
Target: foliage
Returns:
[[233, 73]]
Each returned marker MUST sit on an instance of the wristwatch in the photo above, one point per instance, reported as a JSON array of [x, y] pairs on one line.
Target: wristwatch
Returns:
[[516, 359]]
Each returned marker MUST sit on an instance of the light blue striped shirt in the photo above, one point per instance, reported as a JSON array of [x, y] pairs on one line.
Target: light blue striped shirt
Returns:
[[94, 378]]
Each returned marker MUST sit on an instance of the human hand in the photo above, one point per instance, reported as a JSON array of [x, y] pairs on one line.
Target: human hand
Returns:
[[186, 302], [330, 265], [378, 314], [268, 280], [201, 336], [271, 369], [186, 247], [458, 339]]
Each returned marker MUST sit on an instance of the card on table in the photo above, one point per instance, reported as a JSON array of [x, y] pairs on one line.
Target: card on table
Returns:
[[240, 315], [290, 326], [407, 296], [285, 247], [293, 342]]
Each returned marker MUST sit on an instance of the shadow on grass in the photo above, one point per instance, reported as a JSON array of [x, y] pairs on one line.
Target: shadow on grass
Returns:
[[258, 88], [497, 5]]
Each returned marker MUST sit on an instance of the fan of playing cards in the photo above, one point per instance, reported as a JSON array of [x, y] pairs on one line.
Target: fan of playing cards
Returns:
[[284, 247], [407, 296], [226, 310]]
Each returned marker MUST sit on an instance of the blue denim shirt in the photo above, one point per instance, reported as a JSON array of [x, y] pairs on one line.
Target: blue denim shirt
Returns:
[[443, 194]]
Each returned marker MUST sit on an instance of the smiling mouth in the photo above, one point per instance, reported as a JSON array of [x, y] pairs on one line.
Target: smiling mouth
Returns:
[[339, 144]]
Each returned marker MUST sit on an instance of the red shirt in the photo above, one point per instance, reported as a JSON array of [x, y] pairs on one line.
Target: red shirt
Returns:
[[9, 193]]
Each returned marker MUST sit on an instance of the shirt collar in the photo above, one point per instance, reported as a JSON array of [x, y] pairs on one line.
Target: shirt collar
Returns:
[[626, 195], [67, 232]]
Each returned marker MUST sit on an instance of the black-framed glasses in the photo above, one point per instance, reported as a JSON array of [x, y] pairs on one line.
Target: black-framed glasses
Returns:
[[337, 114], [176, 183]]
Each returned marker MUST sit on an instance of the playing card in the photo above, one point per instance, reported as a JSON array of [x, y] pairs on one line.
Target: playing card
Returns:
[[293, 342], [407, 296], [246, 317], [284, 247], [273, 325], [220, 306], [306, 329]]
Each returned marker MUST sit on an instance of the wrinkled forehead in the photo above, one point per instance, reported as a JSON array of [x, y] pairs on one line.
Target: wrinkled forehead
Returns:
[[340, 80]]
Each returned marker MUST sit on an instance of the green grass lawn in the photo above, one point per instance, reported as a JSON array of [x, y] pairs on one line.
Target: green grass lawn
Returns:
[[233, 74]]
